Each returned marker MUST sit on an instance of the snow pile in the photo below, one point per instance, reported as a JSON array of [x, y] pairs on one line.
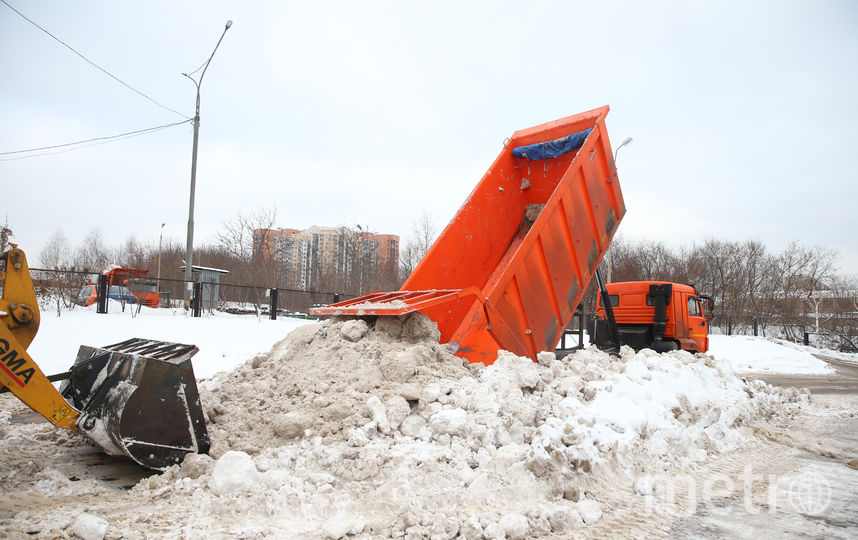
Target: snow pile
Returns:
[[361, 428], [371, 429], [318, 380], [755, 354]]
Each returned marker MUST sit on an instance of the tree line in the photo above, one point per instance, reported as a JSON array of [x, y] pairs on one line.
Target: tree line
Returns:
[[785, 293]]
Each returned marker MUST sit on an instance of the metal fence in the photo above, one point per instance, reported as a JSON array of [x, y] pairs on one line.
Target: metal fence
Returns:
[[64, 288]]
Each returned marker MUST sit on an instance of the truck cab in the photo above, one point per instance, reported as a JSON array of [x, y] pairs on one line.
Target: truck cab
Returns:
[[658, 315]]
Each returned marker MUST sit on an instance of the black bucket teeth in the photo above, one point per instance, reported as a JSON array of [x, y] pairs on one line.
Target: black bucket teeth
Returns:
[[139, 398]]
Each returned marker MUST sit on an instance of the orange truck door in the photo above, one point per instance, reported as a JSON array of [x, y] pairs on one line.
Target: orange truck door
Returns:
[[698, 329]]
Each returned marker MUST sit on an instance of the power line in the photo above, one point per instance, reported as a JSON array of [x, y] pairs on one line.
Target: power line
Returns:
[[90, 62], [67, 147]]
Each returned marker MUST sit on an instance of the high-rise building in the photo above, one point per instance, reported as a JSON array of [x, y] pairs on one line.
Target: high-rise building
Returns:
[[333, 259]]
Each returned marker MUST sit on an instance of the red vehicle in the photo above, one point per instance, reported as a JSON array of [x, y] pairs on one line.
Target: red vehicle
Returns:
[[124, 284], [134, 279], [656, 315]]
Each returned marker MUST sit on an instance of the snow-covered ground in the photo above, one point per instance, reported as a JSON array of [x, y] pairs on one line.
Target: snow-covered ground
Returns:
[[757, 354], [224, 340]]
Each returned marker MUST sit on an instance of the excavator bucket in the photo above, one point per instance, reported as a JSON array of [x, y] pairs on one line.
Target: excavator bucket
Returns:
[[139, 398]]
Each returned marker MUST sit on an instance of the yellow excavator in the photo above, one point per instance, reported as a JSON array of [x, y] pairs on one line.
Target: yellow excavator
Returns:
[[137, 398]]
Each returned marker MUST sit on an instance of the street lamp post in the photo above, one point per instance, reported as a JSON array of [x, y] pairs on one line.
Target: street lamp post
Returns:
[[622, 144], [189, 253], [608, 259], [160, 244]]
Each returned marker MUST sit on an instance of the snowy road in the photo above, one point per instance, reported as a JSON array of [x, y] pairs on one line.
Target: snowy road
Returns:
[[801, 484], [800, 481]]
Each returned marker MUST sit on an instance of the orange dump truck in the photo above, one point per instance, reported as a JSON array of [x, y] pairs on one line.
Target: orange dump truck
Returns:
[[656, 315], [510, 268], [135, 279]]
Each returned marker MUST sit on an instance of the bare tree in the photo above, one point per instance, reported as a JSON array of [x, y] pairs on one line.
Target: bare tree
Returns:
[[423, 235], [61, 285], [92, 254], [5, 235], [56, 254], [250, 239], [133, 254]]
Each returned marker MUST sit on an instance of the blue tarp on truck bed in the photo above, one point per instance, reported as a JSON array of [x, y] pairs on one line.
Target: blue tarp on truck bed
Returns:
[[552, 149]]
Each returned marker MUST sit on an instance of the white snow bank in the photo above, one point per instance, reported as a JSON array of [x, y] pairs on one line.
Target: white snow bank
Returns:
[[851, 358], [225, 340], [756, 354]]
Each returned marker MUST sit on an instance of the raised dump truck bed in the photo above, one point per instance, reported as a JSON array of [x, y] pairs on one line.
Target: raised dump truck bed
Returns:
[[510, 268]]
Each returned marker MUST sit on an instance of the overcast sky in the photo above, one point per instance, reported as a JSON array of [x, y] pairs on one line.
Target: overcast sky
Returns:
[[744, 114]]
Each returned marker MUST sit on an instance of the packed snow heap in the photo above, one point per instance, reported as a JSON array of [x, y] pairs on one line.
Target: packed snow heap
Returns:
[[370, 428]]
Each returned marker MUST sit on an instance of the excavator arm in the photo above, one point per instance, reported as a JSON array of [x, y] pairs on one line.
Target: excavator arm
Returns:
[[19, 322], [137, 398]]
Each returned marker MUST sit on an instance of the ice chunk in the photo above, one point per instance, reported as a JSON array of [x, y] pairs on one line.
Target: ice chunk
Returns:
[[89, 527], [234, 471]]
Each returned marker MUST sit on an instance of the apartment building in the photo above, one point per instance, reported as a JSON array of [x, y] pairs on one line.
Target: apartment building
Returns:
[[330, 258]]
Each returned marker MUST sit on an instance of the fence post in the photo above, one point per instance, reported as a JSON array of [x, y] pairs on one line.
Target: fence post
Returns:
[[729, 326], [197, 299], [101, 293], [336, 297], [755, 325], [806, 340], [580, 328], [272, 311]]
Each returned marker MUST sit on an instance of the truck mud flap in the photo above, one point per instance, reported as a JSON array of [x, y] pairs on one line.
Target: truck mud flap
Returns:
[[139, 398]]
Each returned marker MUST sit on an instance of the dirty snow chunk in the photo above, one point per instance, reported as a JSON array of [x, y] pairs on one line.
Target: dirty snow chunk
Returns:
[[545, 358], [589, 510], [450, 422], [89, 527], [339, 525], [233, 472], [399, 367], [196, 465], [413, 426], [397, 410], [354, 329], [421, 328], [563, 519], [379, 414], [292, 425], [510, 371], [514, 525]]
